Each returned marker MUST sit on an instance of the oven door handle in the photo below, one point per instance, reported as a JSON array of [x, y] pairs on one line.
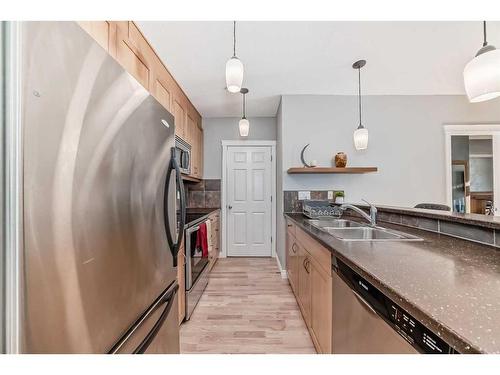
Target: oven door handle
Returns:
[[174, 246], [193, 229]]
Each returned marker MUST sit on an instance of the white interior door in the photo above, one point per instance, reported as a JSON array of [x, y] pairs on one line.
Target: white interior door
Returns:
[[248, 197]]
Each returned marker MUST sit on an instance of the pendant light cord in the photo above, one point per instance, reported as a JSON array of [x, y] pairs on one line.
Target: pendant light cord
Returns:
[[485, 43], [234, 38], [359, 94], [244, 105]]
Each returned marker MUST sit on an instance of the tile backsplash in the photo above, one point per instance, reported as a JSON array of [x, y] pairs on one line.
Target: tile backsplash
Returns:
[[293, 204], [203, 194]]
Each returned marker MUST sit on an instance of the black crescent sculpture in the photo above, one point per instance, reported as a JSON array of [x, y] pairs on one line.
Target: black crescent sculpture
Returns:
[[302, 156]]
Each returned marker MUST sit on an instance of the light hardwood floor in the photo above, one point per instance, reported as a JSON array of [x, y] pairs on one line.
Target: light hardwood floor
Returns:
[[246, 308]]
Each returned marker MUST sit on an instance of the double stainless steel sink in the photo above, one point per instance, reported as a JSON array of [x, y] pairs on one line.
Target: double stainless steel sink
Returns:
[[348, 230]]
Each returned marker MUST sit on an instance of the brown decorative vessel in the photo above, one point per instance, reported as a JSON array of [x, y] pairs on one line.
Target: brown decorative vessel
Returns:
[[340, 160]]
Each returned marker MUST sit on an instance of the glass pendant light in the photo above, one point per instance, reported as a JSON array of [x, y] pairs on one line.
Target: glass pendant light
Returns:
[[234, 68], [244, 124], [482, 73], [361, 133]]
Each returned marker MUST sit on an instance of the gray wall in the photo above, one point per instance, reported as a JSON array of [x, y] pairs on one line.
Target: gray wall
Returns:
[[406, 143], [226, 128]]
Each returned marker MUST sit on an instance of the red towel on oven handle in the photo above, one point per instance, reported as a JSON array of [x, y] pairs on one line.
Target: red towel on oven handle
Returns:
[[202, 240]]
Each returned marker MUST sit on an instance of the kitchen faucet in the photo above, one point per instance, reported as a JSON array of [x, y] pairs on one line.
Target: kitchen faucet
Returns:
[[372, 218]]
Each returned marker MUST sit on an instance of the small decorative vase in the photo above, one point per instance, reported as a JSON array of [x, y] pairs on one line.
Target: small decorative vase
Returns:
[[340, 160]]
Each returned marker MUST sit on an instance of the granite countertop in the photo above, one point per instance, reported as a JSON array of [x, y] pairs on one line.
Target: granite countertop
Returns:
[[487, 221], [451, 286]]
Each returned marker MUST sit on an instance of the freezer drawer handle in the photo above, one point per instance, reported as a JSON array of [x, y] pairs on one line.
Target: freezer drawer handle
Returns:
[[167, 297], [156, 328]]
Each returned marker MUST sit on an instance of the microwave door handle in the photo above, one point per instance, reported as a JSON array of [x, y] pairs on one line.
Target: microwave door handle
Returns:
[[169, 298]]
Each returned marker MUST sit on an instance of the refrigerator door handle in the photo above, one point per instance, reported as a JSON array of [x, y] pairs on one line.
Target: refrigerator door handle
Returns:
[[174, 246], [169, 298]]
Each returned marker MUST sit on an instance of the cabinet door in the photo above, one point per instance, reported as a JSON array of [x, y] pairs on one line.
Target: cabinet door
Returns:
[[321, 308], [128, 57], [292, 262], [191, 134], [161, 92], [196, 153], [304, 284], [179, 113], [181, 280], [199, 152], [99, 30]]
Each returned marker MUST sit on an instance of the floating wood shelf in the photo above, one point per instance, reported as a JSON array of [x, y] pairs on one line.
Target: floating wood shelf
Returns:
[[325, 170]]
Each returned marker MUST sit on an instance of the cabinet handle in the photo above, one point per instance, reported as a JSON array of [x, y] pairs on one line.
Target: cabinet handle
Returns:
[[289, 225], [305, 263], [294, 247]]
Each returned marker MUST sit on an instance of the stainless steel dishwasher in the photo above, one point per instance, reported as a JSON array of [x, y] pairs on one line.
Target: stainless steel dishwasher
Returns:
[[365, 321]]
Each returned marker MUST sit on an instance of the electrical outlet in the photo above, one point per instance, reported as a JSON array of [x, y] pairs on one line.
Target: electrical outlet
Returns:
[[304, 195], [330, 194]]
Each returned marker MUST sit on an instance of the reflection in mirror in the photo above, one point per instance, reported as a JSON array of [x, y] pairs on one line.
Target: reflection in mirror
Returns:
[[472, 174]]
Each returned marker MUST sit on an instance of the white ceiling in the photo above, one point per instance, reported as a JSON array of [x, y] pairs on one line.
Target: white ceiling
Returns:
[[403, 58]]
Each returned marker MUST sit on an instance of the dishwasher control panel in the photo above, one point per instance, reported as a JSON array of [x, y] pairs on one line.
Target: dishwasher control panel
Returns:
[[409, 328], [415, 333]]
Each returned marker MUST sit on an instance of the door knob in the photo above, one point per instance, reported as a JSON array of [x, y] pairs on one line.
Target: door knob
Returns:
[[230, 207]]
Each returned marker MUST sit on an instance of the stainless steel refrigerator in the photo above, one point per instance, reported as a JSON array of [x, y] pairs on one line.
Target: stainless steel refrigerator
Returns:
[[99, 192]]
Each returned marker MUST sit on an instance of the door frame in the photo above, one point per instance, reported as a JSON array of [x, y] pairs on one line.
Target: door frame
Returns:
[[225, 146], [472, 129]]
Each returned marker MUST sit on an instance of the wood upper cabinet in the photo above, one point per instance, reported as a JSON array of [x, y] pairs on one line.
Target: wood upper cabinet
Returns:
[[179, 112], [128, 55], [99, 30], [197, 149], [161, 85], [124, 41]]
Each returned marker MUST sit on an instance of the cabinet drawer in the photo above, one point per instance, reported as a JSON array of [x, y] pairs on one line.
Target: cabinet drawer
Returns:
[[321, 254]]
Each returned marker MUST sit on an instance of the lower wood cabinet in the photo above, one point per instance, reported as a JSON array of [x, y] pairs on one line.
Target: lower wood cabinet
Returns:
[[321, 308], [293, 262], [304, 289], [311, 282], [214, 249]]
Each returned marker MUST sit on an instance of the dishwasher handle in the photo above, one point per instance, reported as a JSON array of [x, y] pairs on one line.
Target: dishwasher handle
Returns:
[[364, 302]]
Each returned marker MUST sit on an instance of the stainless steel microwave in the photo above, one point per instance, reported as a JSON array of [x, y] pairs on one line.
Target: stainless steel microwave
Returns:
[[183, 155]]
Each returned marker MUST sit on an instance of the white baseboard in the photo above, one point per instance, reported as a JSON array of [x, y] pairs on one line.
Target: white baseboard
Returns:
[[283, 272]]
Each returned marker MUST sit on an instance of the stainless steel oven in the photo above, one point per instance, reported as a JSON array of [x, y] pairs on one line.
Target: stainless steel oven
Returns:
[[183, 155], [196, 267]]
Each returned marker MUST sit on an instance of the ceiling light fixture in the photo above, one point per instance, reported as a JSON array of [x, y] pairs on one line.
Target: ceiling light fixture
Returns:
[[361, 133], [234, 68], [244, 124], [482, 73]]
